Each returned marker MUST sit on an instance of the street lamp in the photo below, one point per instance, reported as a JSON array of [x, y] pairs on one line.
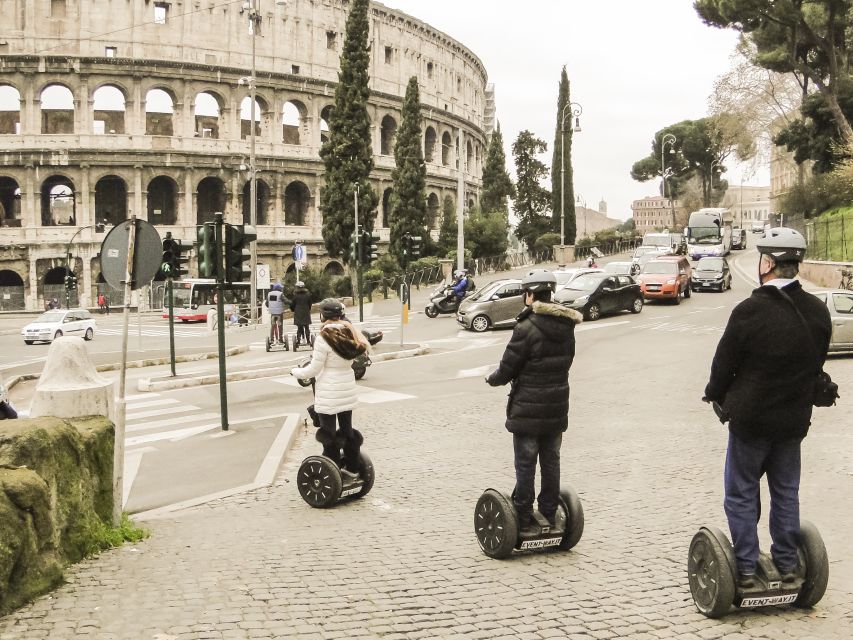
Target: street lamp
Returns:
[[576, 110], [580, 200], [667, 139]]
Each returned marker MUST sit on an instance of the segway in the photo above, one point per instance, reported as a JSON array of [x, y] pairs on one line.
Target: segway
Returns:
[[295, 345], [498, 533], [278, 345], [712, 573]]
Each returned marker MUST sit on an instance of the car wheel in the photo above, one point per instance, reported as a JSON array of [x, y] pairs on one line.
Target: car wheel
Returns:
[[480, 323], [56, 335], [676, 299], [637, 305], [28, 341], [593, 312]]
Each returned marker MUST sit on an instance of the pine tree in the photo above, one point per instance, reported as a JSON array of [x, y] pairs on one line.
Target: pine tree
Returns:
[[348, 152], [497, 186], [532, 199], [409, 175], [558, 179]]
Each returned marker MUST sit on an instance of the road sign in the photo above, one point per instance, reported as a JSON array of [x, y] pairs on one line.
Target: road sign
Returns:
[[147, 254], [298, 253], [263, 276]]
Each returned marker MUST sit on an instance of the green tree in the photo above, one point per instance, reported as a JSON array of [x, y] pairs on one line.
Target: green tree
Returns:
[[486, 233], [497, 186], [449, 229], [561, 181], [409, 175], [807, 38], [348, 153], [532, 199]]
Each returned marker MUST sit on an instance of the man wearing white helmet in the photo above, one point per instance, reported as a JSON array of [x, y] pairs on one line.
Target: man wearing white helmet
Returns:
[[763, 376]]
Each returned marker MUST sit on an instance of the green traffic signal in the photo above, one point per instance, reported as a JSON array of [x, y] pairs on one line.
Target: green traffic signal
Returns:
[[71, 282], [238, 237], [414, 247], [205, 234]]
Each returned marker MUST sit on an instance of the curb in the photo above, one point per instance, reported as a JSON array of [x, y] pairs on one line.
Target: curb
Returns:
[[169, 383]]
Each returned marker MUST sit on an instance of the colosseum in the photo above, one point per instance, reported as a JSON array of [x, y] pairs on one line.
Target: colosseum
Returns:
[[112, 108]]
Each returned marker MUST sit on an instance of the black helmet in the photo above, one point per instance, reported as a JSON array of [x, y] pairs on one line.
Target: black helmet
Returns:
[[331, 309], [782, 244], [539, 280]]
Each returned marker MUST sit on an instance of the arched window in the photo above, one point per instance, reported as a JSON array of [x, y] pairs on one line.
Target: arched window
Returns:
[[109, 110], [388, 135], [292, 118], [57, 202], [325, 116], [162, 201], [10, 203], [387, 205], [469, 156], [446, 147], [207, 111], [297, 201], [11, 291], [246, 117], [110, 200], [334, 268], [57, 109], [433, 210], [159, 110], [429, 144], [10, 110], [262, 198], [210, 199]]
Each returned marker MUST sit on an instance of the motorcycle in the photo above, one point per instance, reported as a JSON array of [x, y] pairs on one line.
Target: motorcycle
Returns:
[[359, 363], [442, 301]]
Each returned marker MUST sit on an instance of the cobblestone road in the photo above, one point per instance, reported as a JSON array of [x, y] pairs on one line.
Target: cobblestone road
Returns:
[[403, 562]]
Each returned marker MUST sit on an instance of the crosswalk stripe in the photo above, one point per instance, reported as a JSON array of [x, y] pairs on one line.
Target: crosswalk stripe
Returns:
[[152, 403], [156, 424], [135, 415], [178, 434]]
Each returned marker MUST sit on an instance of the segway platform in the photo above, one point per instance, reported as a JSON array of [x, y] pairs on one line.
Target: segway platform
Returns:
[[297, 346], [321, 482], [498, 533], [275, 345], [712, 573]]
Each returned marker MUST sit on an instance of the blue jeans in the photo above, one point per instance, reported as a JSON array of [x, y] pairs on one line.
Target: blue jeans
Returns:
[[746, 462], [527, 450]]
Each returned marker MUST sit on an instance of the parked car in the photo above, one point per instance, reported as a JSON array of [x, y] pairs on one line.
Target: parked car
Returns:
[[565, 276], [758, 227], [738, 238], [495, 305], [60, 322], [711, 273], [840, 305], [596, 294], [620, 268], [643, 254], [667, 278]]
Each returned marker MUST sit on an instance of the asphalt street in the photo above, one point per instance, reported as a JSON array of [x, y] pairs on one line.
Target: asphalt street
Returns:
[[644, 453]]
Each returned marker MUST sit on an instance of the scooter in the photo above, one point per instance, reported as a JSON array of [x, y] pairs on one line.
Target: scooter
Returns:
[[442, 301], [359, 363], [498, 533], [712, 571]]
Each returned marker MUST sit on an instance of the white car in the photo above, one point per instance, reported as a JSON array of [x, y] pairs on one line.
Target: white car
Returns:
[[56, 323], [840, 305]]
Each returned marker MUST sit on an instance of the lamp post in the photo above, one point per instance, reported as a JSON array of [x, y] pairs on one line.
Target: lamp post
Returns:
[[576, 110], [667, 139], [579, 199]]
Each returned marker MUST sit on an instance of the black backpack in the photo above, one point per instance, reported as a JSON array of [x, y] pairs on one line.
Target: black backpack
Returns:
[[470, 286]]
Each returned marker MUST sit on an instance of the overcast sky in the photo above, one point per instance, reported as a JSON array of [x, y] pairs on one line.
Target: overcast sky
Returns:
[[635, 66]]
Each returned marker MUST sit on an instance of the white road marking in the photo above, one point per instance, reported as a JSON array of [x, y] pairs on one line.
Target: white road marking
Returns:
[[150, 425], [132, 462], [174, 436], [152, 403], [377, 396], [23, 363], [136, 415], [477, 371], [601, 325]]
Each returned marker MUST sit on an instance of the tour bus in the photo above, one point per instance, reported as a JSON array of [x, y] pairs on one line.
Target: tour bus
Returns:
[[194, 297], [709, 233]]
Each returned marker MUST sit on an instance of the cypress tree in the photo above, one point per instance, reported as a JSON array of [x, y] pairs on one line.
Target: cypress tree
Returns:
[[558, 181], [409, 175], [348, 152], [497, 186]]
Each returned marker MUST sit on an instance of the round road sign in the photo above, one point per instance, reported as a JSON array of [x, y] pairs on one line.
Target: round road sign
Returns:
[[147, 254]]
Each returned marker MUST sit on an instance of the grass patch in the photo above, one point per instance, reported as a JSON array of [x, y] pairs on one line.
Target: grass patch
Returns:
[[103, 536]]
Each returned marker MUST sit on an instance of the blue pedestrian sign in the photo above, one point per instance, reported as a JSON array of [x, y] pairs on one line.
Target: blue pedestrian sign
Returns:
[[299, 253]]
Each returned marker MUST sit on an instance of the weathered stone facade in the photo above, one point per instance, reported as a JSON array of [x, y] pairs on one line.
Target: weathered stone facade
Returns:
[[113, 108]]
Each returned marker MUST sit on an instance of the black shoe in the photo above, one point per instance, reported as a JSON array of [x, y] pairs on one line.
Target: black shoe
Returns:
[[552, 519], [746, 580], [790, 576], [527, 526]]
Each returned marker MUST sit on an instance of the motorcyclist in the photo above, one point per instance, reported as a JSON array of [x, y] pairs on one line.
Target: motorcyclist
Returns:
[[276, 303], [460, 284], [301, 307]]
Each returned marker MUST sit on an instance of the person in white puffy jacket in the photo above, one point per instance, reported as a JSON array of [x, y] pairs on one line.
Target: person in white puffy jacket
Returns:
[[335, 391]]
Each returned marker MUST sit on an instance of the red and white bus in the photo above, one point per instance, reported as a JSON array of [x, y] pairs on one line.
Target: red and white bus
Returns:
[[193, 298]]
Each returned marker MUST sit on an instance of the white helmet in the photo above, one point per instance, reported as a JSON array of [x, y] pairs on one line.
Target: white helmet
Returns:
[[783, 244]]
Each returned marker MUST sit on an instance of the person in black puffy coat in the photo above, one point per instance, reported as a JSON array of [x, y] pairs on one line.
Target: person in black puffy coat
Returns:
[[537, 362], [301, 307]]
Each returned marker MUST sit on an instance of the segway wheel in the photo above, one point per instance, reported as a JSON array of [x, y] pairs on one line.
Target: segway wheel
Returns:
[[268, 345], [319, 481], [816, 565], [495, 524], [711, 572], [367, 473], [574, 514]]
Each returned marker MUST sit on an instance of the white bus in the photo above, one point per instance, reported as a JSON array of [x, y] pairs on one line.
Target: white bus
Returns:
[[709, 233], [194, 297]]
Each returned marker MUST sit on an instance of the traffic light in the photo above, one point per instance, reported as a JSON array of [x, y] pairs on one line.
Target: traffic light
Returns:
[[238, 237], [414, 247], [70, 282], [369, 247], [206, 250], [173, 262], [405, 247], [353, 247]]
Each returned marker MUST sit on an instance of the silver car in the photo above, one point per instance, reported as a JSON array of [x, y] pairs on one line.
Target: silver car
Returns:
[[60, 322], [495, 305], [840, 305]]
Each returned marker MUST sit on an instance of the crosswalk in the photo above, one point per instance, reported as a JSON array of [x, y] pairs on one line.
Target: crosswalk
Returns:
[[387, 324], [155, 332]]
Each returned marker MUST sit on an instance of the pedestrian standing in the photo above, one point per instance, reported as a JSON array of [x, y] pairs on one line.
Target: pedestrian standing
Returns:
[[301, 307], [536, 362], [102, 303], [335, 391], [763, 377]]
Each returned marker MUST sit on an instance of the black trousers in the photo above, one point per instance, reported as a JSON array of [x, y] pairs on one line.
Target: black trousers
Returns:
[[303, 331], [331, 436], [527, 450]]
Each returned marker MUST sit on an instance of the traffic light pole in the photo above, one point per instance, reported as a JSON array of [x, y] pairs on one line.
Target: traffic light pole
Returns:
[[220, 317], [359, 284], [171, 324]]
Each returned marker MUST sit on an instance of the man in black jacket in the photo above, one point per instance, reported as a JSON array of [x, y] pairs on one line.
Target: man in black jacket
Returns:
[[537, 362], [301, 307], [763, 376]]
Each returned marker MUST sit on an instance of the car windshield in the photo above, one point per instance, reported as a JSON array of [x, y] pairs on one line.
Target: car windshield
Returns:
[[618, 267], [564, 276], [486, 292], [641, 251], [704, 235], [584, 283], [710, 264], [51, 316], [668, 268]]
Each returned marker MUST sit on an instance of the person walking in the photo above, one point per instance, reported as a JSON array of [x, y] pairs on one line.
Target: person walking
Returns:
[[335, 391], [763, 377], [536, 362], [102, 303], [301, 307]]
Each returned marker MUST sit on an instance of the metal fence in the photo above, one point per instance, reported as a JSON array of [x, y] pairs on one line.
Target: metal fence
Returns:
[[830, 239], [609, 248], [57, 291], [12, 299]]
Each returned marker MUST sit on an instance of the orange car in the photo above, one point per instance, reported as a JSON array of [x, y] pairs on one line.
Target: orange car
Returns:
[[666, 277]]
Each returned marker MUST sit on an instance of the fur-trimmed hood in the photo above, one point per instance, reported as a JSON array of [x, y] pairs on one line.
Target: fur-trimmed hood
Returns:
[[557, 310], [343, 340]]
